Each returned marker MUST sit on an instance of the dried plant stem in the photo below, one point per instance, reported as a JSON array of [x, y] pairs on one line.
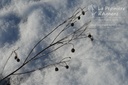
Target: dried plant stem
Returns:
[[77, 34]]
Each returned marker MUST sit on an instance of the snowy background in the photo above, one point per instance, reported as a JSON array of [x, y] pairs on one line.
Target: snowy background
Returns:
[[101, 62]]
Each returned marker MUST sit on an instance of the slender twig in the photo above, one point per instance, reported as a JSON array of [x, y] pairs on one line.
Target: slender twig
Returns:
[[53, 64], [8, 60]]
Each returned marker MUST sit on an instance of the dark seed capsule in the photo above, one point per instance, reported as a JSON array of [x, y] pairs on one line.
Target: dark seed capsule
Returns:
[[78, 17], [18, 60], [83, 12], [72, 50], [72, 24], [56, 69], [89, 35], [67, 67], [15, 57]]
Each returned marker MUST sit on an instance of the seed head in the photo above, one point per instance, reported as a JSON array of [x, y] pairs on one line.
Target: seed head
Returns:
[[72, 24], [72, 50], [83, 13], [67, 67], [56, 69], [78, 17], [18, 60], [15, 57], [89, 35]]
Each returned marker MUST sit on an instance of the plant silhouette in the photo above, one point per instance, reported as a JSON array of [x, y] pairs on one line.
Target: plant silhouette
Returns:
[[79, 33]]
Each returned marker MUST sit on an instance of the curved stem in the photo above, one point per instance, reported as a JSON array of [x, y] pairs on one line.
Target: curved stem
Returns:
[[8, 60], [25, 63], [40, 68]]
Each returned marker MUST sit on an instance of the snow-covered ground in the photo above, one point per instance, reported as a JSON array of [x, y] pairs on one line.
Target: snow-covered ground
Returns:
[[101, 62]]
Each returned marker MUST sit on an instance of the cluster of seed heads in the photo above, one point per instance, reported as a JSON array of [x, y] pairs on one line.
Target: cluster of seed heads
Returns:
[[73, 49], [83, 13], [57, 69], [63, 61], [17, 59], [90, 36]]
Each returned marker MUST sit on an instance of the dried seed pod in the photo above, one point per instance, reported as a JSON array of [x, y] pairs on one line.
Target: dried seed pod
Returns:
[[72, 24], [72, 50], [18, 60], [89, 35], [78, 17], [83, 13], [15, 57], [56, 69], [67, 67]]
